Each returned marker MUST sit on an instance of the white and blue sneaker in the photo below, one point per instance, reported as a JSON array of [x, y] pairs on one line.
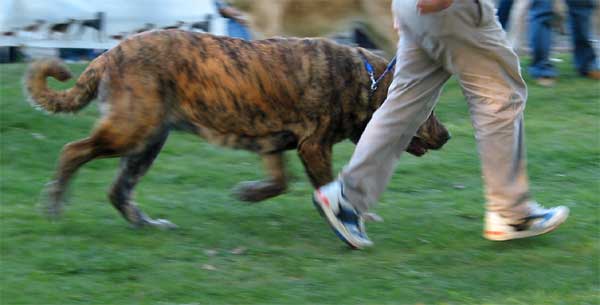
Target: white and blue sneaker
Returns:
[[539, 221], [347, 224]]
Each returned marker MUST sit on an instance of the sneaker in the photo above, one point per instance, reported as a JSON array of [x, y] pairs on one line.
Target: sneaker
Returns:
[[346, 223], [540, 221]]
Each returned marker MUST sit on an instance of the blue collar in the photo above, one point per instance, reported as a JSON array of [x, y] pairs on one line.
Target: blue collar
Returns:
[[371, 71]]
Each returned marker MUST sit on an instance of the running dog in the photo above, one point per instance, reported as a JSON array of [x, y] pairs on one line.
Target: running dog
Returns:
[[264, 96]]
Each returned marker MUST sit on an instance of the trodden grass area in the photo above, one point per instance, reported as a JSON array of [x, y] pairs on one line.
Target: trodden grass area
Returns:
[[429, 250]]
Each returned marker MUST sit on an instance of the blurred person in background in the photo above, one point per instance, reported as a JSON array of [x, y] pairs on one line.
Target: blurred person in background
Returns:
[[504, 9], [541, 15], [513, 18], [440, 39], [237, 23]]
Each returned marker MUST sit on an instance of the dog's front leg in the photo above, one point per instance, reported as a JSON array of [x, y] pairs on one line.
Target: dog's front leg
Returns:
[[316, 157]]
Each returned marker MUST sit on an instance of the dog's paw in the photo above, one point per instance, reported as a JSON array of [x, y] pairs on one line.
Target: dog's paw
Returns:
[[49, 203], [160, 223], [52, 211]]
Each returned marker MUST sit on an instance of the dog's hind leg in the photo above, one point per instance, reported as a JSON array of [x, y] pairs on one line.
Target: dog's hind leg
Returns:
[[253, 191], [113, 137], [106, 141], [74, 155], [132, 168]]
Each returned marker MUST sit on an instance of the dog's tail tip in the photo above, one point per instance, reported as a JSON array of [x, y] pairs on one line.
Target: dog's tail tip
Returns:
[[70, 100], [49, 67]]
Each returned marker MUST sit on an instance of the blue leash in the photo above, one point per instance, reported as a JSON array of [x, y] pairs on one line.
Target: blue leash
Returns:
[[371, 71]]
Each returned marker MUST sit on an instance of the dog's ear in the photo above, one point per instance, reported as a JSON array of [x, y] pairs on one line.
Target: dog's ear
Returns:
[[362, 51]]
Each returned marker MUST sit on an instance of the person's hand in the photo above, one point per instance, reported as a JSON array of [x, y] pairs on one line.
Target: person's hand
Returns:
[[432, 6]]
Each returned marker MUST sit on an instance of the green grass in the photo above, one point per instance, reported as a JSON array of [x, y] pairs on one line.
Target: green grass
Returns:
[[429, 250]]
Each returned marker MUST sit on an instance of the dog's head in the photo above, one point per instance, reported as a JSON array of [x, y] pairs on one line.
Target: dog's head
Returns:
[[431, 135]]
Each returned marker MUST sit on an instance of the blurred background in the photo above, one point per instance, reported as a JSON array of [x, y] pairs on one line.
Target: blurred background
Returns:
[[79, 29]]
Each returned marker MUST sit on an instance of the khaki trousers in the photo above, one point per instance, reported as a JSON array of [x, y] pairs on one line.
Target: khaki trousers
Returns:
[[467, 42]]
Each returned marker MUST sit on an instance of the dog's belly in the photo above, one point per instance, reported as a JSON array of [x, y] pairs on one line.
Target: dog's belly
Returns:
[[267, 142], [242, 123]]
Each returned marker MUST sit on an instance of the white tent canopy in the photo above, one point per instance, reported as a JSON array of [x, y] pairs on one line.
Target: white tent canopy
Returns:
[[121, 16]]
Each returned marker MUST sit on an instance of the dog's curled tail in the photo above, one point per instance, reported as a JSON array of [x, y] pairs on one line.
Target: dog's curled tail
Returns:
[[70, 100]]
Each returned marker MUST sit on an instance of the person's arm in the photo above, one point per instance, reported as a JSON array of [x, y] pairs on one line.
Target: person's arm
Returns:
[[432, 6]]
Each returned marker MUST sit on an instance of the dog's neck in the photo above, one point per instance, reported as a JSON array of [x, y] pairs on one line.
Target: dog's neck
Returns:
[[370, 100]]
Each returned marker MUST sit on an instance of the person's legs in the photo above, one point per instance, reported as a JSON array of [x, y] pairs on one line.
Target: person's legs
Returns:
[[496, 95], [540, 38], [411, 97], [464, 40], [488, 71], [580, 13]]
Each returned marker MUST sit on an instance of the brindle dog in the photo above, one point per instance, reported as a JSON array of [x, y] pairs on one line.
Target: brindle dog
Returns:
[[264, 96]]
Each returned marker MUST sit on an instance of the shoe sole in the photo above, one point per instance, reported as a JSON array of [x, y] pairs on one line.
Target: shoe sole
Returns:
[[323, 207], [501, 236]]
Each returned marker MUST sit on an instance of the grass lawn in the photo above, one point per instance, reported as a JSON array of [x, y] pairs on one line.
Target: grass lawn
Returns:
[[429, 250]]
